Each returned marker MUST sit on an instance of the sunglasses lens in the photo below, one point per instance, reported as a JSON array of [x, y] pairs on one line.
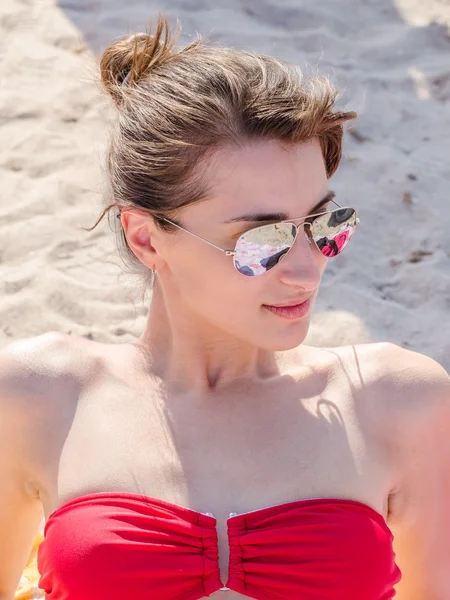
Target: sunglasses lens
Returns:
[[332, 232], [260, 249]]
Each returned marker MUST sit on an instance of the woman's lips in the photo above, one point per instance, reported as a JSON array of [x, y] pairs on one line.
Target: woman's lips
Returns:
[[290, 312]]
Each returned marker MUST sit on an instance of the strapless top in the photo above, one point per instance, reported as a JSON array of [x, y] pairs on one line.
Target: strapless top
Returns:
[[124, 546]]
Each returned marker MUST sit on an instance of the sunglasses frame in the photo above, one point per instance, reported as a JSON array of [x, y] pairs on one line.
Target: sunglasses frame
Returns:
[[233, 252]]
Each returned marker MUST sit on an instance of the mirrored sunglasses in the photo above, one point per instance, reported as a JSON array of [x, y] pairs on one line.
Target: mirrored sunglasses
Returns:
[[262, 248]]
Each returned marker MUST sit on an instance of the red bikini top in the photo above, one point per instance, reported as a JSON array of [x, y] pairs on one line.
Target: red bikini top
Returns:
[[116, 546]]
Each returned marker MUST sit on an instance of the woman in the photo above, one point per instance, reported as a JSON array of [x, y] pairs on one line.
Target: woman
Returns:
[[217, 455]]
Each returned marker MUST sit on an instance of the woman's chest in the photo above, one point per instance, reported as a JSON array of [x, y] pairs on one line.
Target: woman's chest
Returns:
[[217, 459], [223, 455]]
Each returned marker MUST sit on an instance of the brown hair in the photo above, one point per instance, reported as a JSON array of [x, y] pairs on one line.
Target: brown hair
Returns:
[[179, 106]]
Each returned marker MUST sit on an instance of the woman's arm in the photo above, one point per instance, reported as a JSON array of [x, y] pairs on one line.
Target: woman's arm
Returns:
[[21, 510], [26, 368], [419, 514]]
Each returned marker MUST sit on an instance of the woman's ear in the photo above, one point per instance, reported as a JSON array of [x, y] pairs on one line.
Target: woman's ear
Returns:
[[139, 227]]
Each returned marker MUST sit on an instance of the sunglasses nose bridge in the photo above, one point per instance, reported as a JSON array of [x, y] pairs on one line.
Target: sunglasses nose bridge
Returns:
[[306, 228]]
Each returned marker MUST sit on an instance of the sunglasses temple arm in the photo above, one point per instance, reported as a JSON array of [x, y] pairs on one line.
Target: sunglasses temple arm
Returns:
[[227, 252]]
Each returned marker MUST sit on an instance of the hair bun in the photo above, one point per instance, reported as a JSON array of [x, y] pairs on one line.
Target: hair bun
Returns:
[[135, 56]]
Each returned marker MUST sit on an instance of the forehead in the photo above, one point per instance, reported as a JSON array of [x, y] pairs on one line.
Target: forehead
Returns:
[[265, 176]]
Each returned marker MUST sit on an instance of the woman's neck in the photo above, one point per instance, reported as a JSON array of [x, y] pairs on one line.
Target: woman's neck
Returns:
[[188, 353]]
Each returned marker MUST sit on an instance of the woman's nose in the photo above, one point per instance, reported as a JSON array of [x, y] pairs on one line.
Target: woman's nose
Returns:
[[303, 264]]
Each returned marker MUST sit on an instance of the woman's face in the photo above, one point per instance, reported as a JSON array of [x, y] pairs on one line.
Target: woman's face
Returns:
[[264, 177]]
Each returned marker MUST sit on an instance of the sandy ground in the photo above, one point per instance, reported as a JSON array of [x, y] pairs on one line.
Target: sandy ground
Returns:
[[391, 60]]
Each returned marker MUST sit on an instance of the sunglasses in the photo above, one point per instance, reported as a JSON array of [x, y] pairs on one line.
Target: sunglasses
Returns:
[[261, 248]]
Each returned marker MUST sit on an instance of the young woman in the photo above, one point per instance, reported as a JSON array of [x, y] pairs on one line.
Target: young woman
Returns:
[[217, 455]]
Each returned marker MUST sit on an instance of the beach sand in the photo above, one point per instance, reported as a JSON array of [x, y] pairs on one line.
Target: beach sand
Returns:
[[391, 61]]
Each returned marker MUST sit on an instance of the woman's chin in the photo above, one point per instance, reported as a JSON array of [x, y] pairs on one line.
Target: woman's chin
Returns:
[[288, 339]]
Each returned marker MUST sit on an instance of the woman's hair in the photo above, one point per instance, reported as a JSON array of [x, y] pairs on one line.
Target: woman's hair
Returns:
[[177, 107]]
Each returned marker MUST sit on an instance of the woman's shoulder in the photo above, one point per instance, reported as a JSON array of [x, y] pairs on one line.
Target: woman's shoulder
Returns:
[[409, 384], [34, 370], [386, 362], [41, 379], [27, 363], [412, 374]]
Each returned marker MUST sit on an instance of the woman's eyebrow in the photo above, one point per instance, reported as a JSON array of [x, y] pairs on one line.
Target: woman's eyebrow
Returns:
[[280, 216]]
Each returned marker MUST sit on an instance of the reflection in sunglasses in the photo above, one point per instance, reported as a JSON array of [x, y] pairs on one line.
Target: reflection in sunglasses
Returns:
[[276, 235], [253, 258], [273, 260], [331, 247], [261, 248], [325, 224]]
